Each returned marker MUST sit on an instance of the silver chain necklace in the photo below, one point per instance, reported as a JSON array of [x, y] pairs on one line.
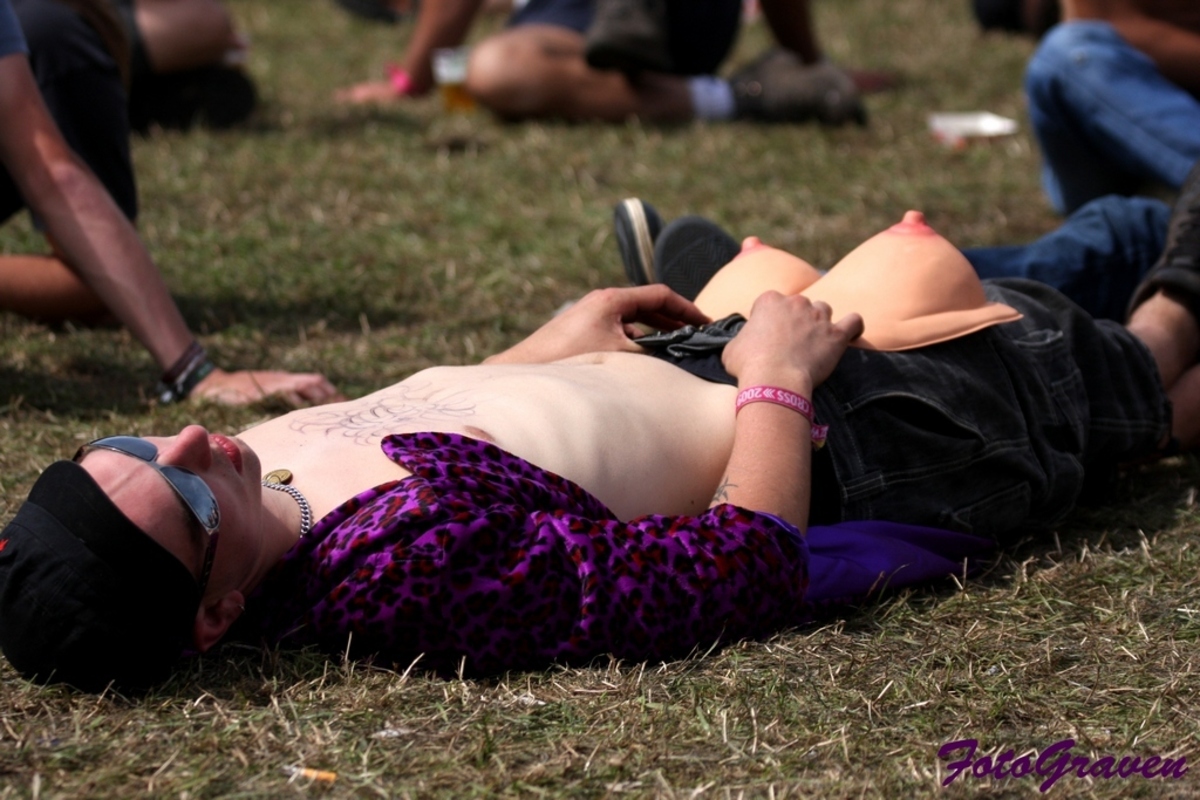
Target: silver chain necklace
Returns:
[[306, 515]]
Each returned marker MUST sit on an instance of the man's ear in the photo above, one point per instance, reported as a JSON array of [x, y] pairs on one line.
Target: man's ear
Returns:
[[214, 618]]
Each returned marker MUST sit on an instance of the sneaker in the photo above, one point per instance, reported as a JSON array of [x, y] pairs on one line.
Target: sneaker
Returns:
[[1177, 270], [779, 87], [690, 251], [629, 36], [637, 225]]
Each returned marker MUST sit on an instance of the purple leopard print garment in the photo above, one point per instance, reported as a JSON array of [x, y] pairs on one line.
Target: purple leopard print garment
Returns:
[[482, 556]]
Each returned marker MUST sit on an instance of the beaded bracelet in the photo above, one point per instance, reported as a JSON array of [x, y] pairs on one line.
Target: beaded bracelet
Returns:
[[796, 402], [187, 371]]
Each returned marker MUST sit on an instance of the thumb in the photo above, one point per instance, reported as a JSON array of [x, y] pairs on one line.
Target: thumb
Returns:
[[850, 326]]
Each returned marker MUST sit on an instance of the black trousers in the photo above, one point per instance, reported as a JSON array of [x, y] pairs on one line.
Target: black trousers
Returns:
[[82, 87]]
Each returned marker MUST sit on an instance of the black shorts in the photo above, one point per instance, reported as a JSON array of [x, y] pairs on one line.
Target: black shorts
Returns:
[[701, 33], [82, 87]]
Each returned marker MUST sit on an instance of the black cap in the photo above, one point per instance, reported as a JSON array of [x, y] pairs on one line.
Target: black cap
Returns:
[[87, 597]]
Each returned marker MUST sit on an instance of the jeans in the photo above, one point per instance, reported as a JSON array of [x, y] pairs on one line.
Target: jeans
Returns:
[[1097, 257], [997, 433], [1106, 119]]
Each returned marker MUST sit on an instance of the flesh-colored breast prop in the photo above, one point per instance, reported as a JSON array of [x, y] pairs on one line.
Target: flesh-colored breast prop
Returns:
[[911, 286]]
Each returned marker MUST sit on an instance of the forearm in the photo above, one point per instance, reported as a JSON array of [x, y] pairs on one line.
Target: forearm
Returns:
[[770, 466], [791, 24], [95, 240], [442, 23], [90, 233]]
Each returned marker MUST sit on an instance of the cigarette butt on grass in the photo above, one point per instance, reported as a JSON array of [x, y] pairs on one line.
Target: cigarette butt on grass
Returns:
[[307, 773]]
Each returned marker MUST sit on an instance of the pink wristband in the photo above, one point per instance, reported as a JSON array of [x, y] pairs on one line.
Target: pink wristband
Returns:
[[782, 397], [400, 80]]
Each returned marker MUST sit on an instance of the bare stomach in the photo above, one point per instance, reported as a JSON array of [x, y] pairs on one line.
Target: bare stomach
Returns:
[[640, 434]]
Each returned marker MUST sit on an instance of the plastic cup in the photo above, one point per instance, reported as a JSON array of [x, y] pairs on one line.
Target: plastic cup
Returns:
[[450, 74]]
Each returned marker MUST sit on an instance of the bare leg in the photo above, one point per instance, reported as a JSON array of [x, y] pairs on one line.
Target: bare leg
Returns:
[[44, 288], [539, 71], [184, 34], [791, 23]]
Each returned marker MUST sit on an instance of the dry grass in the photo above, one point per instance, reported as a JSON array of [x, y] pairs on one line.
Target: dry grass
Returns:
[[371, 244]]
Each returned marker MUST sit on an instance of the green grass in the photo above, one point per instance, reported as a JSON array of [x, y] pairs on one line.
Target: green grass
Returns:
[[369, 244]]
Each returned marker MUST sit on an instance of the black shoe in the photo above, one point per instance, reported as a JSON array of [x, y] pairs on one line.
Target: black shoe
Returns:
[[215, 97], [779, 87], [690, 251], [637, 225], [629, 36], [1177, 271]]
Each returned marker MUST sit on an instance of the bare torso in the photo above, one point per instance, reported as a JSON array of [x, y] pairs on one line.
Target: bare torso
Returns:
[[640, 434]]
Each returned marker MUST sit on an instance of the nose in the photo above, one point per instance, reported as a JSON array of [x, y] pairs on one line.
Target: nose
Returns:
[[189, 448]]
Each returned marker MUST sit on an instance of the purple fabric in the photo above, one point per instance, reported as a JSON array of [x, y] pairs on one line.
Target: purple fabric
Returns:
[[854, 560], [483, 559]]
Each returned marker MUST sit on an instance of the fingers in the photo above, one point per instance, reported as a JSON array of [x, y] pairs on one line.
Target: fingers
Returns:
[[362, 93], [657, 304], [303, 390], [245, 387], [851, 326], [319, 391]]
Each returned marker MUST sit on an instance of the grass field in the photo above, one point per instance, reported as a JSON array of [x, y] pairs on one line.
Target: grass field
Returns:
[[370, 244]]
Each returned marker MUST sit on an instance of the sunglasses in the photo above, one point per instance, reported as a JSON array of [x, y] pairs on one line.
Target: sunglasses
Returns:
[[192, 490]]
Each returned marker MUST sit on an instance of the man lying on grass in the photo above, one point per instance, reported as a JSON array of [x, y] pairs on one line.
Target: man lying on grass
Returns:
[[573, 496]]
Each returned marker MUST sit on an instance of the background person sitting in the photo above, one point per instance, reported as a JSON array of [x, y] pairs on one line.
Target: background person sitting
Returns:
[[1113, 98], [186, 64], [669, 52], [98, 264]]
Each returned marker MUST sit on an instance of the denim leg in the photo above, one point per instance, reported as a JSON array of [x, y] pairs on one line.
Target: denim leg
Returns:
[[1105, 118], [1097, 257]]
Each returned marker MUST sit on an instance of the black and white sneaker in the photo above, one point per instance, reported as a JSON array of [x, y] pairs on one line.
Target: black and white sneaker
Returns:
[[637, 225], [689, 251]]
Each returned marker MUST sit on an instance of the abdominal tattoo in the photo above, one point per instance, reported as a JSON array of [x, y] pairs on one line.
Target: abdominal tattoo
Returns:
[[722, 493], [402, 409]]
